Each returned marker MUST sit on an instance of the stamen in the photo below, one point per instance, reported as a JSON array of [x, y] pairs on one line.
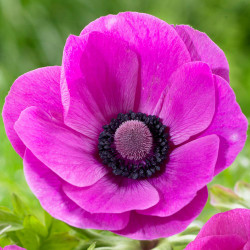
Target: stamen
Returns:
[[134, 145], [133, 140]]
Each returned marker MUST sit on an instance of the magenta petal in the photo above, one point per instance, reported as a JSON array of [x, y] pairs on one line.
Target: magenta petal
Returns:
[[190, 168], [143, 227], [40, 87], [66, 152], [100, 81], [247, 246], [233, 222], [217, 242], [13, 247], [202, 48], [112, 194], [229, 123], [227, 231], [48, 189], [187, 105], [160, 48]]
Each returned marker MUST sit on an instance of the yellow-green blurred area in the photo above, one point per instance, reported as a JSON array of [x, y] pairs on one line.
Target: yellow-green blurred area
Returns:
[[33, 34]]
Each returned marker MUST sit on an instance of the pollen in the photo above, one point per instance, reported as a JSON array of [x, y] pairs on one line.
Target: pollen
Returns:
[[133, 140]]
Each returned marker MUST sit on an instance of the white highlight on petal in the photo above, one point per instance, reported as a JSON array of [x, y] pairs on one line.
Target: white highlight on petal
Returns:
[[111, 21], [234, 137]]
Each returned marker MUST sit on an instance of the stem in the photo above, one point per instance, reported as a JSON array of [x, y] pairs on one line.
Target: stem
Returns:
[[148, 244]]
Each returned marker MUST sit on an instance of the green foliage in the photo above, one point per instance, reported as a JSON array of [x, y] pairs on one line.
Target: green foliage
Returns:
[[8, 221], [18, 206], [31, 223], [23, 228], [92, 246], [60, 241]]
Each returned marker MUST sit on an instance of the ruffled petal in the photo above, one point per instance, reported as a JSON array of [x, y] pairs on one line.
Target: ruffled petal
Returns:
[[187, 105], [112, 194], [66, 152], [100, 75], [228, 242], [229, 123], [202, 48], [47, 187], [143, 227], [190, 168], [41, 88], [160, 48]]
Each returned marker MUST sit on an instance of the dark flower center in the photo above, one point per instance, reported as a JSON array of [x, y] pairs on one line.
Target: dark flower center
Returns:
[[134, 145]]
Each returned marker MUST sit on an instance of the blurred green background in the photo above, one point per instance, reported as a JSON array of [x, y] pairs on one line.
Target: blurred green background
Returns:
[[33, 33]]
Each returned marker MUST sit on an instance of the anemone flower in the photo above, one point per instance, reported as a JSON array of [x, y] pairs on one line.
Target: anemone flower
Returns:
[[126, 134]]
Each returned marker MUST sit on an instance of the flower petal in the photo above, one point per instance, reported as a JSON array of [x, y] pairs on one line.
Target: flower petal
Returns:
[[112, 194], [190, 168], [47, 188], [160, 48], [202, 48], [225, 242], [229, 123], [187, 105], [100, 80], [143, 227], [66, 152], [40, 87], [12, 247], [225, 224]]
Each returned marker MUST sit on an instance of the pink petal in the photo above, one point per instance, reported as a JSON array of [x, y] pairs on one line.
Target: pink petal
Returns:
[[247, 246], [229, 123], [143, 227], [48, 189], [40, 87], [187, 105], [13, 247], [112, 194], [233, 222], [229, 242], [202, 48], [66, 152], [100, 81], [190, 168], [160, 48]]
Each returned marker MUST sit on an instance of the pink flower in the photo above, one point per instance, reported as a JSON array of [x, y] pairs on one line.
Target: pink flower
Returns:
[[144, 174], [12, 247], [225, 231]]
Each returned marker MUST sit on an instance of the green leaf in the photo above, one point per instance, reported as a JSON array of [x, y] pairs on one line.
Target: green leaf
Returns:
[[28, 238], [19, 208], [32, 223], [59, 241], [12, 235], [5, 241], [92, 246], [7, 216], [58, 226], [8, 221], [47, 220], [224, 198]]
